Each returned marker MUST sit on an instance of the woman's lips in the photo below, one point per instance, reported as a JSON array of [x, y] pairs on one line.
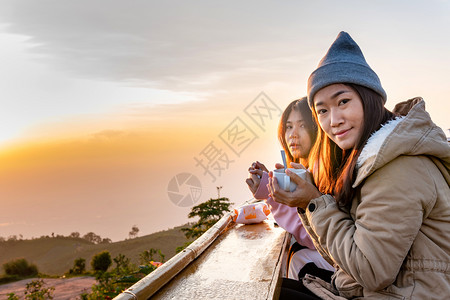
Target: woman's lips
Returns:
[[341, 133]]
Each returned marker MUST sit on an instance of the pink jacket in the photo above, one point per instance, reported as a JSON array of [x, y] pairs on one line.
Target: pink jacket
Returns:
[[287, 217]]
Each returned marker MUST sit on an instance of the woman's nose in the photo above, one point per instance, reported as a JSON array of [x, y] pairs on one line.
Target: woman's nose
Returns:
[[294, 132], [335, 117]]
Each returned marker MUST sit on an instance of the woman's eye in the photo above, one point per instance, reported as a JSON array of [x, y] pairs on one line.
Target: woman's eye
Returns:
[[343, 101], [288, 127], [321, 111]]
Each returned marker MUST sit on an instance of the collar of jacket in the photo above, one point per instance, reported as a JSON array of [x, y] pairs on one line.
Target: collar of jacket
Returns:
[[370, 158], [376, 140]]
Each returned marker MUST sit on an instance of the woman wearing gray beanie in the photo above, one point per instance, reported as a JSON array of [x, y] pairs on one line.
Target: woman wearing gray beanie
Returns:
[[380, 208]]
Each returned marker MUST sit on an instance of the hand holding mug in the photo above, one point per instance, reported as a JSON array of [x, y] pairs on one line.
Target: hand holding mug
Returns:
[[301, 195]]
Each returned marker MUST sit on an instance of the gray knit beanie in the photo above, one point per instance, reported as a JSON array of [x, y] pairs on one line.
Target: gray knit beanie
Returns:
[[343, 63]]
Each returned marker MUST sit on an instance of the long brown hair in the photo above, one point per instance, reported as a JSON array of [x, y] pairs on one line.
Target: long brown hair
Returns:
[[300, 105], [334, 169]]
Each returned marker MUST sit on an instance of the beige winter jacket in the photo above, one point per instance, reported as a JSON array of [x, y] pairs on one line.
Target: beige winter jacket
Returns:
[[394, 243]]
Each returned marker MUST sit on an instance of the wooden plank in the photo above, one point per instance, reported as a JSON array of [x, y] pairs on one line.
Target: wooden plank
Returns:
[[280, 270]]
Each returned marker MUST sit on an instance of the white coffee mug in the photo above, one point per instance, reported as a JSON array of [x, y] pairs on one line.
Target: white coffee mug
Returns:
[[285, 182]]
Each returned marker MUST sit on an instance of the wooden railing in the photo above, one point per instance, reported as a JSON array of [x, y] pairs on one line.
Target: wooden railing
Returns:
[[229, 261]]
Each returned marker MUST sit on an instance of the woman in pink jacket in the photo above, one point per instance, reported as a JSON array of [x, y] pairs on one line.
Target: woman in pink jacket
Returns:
[[296, 133]]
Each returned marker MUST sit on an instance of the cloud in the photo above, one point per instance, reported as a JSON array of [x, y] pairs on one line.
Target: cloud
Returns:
[[181, 46], [167, 45], [108, 134]]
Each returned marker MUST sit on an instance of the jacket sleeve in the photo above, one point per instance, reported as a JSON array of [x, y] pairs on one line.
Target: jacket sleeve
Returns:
[[262, 192], [285, 216], [372, 244]]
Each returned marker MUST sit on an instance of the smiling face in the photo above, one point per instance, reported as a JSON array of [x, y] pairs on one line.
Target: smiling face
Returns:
[[297, 136], [340, 114]]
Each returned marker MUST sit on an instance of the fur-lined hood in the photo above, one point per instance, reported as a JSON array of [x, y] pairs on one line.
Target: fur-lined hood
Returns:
[[413, 134]]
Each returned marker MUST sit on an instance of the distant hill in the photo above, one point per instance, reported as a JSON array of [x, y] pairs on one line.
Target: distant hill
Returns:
[[55, 256]]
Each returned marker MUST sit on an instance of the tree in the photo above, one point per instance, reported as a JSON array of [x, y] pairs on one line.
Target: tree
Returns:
[[106, 241], [79, 266], [209, 213], [12, 238], [75, 235], [134, 232], [92, 237], [101, 261]]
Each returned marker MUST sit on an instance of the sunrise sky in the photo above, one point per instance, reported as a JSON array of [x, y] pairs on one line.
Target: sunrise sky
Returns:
[[104, 102]]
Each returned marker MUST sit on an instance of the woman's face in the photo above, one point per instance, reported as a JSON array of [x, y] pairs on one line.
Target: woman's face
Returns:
[[297, 137], [340, 114]]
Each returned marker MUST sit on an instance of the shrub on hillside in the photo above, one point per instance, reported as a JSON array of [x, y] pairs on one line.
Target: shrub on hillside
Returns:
[[79, 266], [101, 261], [20, 267]]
